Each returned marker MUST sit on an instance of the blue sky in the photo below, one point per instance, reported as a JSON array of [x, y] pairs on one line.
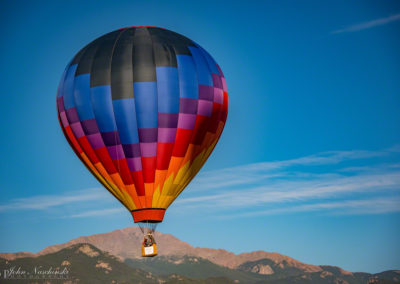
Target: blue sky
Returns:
[[309, 161]]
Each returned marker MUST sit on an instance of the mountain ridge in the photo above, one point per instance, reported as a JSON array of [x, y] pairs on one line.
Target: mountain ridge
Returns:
[[181, 258], [84, 263], [167, 245]]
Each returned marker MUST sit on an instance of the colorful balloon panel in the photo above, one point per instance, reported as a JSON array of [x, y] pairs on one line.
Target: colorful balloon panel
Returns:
[[143, 108]]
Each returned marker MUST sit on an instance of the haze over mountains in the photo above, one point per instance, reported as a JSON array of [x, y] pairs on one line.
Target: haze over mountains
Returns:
[[101, 256]]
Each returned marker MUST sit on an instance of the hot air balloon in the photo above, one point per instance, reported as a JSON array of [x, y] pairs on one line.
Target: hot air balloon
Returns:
[[143, 108]]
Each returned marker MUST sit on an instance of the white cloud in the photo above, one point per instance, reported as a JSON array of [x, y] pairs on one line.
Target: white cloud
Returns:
[[97, 213], [42, 202], [368, 25], [287, 190], [261, 171], [329, 175], [346, 207]]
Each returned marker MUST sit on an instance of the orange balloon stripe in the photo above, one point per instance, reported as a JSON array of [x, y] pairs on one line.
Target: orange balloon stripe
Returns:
[[149, 193]]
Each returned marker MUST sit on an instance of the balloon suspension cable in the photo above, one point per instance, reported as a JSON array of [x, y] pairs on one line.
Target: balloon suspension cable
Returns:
[[147, 227]]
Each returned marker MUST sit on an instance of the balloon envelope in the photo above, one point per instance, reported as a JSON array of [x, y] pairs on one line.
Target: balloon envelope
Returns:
[[143, 108]]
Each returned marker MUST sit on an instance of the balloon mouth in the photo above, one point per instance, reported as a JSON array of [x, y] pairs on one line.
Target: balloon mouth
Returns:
[[148, 215]]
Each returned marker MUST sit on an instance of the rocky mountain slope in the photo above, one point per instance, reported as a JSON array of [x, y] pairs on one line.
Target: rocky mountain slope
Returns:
[[85, 264], [116, 243], [180, 260]]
